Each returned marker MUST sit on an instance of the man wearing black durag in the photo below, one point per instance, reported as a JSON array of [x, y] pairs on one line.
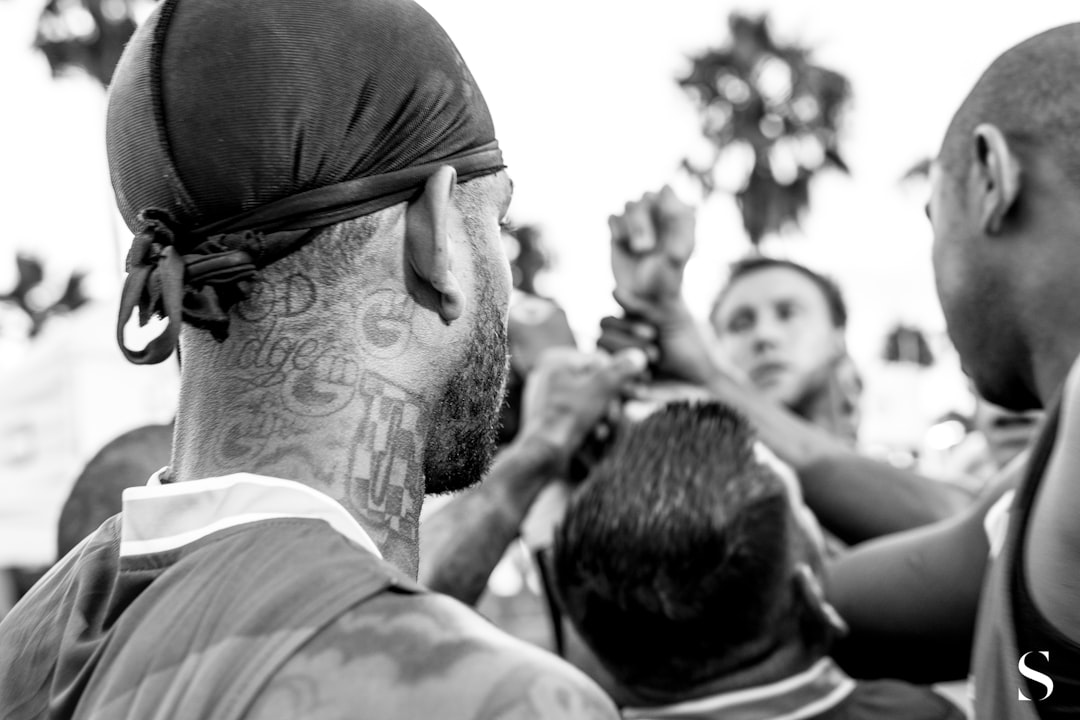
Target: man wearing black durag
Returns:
[[315, 190]]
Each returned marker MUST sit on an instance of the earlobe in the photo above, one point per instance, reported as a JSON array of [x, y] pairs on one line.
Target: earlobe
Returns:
[[427, 243], [1000, 170]]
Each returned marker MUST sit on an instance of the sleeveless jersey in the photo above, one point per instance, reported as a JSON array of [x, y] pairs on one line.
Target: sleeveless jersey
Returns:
[[998, 683]]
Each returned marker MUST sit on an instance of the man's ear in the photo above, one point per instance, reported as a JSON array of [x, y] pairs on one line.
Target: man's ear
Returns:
[[427, 242], [998, 175]]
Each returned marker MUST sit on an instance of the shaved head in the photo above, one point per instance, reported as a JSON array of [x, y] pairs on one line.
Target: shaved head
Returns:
[[1005, 207], [1031, 94]]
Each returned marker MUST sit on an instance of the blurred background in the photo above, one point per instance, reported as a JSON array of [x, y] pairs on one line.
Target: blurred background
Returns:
[[800, 129]]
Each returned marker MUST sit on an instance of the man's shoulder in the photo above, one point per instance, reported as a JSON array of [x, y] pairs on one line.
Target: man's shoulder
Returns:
[[425, 655]]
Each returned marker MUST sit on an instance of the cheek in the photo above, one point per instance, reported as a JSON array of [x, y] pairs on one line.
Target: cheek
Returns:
[[500, 271], [505, 284], [814, 343], [951, 256], [502, 286], [940, 260], [951, 287], [736, 349]]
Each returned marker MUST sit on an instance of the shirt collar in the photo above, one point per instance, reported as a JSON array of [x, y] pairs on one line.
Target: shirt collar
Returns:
[[165, 516], [807, 694]]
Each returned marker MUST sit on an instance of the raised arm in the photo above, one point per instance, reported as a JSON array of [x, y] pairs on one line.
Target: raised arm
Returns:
[[565, 397], [462, 542], [856, 498]]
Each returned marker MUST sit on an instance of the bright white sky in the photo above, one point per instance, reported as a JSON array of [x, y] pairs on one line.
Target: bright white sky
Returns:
[[589, 116]]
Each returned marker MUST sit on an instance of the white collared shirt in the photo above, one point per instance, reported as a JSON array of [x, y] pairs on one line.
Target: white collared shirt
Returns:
[[159, 517]]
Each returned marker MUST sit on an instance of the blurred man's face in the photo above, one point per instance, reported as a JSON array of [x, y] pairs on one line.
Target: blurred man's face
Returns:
[[774, 325]]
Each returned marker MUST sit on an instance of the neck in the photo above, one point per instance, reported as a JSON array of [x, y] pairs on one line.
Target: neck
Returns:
[[349, 433], [1048, 316], [1051, 362], [823, 407]]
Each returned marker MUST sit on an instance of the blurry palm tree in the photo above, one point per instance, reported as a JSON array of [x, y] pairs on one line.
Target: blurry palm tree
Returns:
[[769, 105], [26, 294], [87, 34]]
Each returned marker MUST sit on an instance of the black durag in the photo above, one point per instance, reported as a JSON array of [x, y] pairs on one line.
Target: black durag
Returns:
[[237, 129]]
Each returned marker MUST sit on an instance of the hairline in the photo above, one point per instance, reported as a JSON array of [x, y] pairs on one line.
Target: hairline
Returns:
[[828, 289]]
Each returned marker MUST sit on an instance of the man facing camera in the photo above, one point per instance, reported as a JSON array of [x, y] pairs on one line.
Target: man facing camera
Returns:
[[783, 325], [779, 326], [690, 568]]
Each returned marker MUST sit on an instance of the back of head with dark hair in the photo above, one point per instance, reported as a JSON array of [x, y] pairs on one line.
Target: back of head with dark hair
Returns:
[[755, 263], [673, 558]]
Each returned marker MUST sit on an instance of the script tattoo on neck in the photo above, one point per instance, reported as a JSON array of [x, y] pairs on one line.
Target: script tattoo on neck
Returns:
[[316, 371], [289, 370], [302, 405], [245, 440]]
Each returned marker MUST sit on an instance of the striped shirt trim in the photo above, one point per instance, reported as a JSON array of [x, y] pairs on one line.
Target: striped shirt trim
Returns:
[[811, 692], [158, 517]]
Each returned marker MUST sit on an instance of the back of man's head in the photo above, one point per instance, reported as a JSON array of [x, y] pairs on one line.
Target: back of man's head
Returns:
[[315, 192], [237, 131], [675, 556], [1029, 93], [1005, 208]]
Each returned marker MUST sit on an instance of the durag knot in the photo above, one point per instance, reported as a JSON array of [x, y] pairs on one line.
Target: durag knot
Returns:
[[199, 286], [217, 277]]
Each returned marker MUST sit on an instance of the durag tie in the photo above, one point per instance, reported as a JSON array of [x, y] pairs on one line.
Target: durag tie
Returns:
[[259, 123]]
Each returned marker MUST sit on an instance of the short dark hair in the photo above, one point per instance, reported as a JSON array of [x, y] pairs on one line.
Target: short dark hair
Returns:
[[829, 289], [1030, 93], [673, 558]]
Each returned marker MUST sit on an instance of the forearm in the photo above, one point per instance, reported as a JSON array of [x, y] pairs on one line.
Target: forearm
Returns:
[[910, 601], [855, 497], [685, 355], [859, 498], [794, 440], [463, 542]]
